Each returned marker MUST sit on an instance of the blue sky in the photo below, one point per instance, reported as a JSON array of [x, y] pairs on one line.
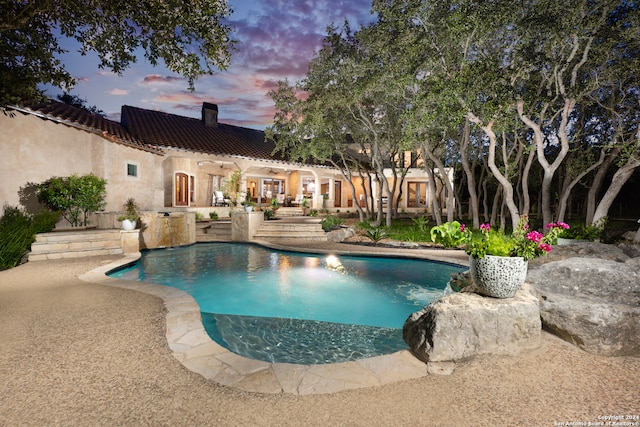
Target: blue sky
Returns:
[[276, 40]]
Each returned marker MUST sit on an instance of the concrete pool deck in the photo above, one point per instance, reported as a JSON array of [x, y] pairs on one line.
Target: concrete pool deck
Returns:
[[74, 353], [192, 346]]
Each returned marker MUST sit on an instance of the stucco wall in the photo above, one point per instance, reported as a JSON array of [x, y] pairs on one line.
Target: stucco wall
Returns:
[[35, 150]]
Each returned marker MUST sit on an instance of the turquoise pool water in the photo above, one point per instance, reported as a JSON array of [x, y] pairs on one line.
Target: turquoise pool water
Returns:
[[297, 308]]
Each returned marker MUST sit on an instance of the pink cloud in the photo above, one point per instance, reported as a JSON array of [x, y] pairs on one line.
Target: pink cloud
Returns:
[[158, 79], [118, 92]]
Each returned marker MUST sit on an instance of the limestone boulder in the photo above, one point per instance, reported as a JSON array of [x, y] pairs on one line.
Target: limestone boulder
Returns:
[[340, 235], [592, 303], [598, 250], [463, 325]]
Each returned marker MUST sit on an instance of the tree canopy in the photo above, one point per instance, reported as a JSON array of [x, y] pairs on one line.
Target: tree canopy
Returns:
[[191, 37], [513, 92]]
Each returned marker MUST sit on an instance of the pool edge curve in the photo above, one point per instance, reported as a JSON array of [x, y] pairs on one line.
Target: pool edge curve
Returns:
[[191, 345]]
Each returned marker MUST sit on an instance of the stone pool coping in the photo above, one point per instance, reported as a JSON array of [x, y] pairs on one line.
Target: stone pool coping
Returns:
[[192, 346]]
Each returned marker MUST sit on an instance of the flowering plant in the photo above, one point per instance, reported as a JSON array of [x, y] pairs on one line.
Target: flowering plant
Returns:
[[523, 242]]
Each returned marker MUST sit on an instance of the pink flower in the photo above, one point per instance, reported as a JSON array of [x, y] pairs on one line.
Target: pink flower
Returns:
[[550, 225], [545, 247], [534, 236], [563, 225], [485, 227], [462, 228]]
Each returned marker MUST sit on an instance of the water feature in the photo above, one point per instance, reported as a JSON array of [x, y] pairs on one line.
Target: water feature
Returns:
[[297, 308]]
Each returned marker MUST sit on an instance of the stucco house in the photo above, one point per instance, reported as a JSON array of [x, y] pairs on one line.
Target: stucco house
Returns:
[[164, 161]]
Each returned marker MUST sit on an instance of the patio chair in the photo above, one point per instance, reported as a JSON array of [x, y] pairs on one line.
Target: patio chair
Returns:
[[298, 200], [219, 200]]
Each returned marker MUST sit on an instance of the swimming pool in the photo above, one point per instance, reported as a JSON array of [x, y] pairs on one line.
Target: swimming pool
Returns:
[[296, 308]]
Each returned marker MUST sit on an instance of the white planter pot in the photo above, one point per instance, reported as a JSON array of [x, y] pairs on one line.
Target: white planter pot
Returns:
[[248, 208], [128, 224], [497, 276]]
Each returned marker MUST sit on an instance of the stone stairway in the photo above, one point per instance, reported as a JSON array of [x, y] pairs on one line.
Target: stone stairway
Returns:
[[287, 212], [302, 228], [213, 231], [75, 244]]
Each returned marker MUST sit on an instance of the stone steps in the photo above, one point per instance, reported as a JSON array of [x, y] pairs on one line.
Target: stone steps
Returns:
[[308, 230], [288, 212], [75, 244], [213, 231]]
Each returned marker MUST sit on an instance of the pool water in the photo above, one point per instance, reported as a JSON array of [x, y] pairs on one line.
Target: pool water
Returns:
[[296, 308]]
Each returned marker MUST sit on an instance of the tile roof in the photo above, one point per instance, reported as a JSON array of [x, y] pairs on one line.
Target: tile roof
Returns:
[[76, 117], [170, 130]]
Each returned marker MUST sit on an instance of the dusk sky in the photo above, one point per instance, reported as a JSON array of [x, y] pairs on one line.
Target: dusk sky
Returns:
[[276, 40]]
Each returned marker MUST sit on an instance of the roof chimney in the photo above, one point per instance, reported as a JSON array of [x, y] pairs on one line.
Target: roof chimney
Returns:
[[210, 114]]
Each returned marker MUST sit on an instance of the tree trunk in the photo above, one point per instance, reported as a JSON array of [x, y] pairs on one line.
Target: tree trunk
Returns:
[[471, 180], [566, 192], [435, 205], [494, 206], [620, 178], [426, 147], [596, 184], [526, 199], [549, 168], [507, 188]]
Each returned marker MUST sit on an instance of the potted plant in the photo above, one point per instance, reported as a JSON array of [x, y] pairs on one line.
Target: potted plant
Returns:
[[305, 205], [499, 262], [131, 217], [269, 214], [248, 205]]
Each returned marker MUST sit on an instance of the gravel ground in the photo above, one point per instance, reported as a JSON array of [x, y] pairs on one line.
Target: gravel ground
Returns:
[[79, 354]]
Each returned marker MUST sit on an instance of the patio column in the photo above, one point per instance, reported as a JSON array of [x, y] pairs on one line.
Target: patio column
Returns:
[[317, 195], [332, 193]]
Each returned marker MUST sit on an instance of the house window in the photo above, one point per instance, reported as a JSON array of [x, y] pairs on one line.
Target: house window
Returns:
[[132, 170], [183, 192], [417, 194]]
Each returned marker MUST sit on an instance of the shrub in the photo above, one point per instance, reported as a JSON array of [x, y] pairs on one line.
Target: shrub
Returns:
[[376, 234], [330, 222], [213, 215], [74, 197], [199, 216], [586, 232], [17, 233], [449, 234], [421, 222], [269, 214]]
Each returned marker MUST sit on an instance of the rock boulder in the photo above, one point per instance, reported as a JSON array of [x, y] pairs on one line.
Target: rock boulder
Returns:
[[465, 324], [592, 303]]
